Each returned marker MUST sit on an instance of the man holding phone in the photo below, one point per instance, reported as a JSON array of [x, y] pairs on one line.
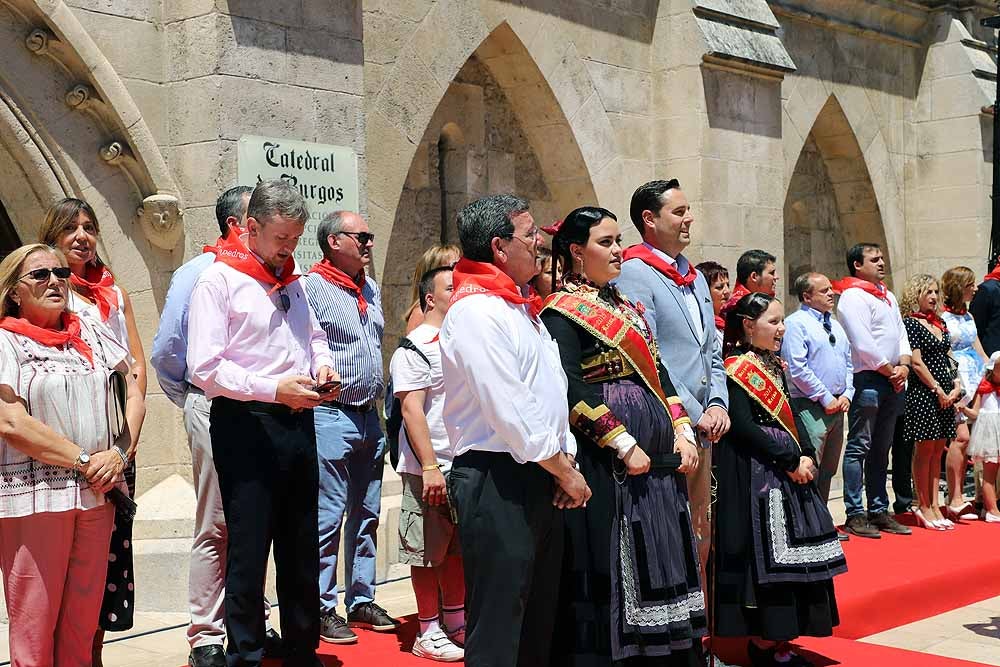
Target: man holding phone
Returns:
[[349, 439]]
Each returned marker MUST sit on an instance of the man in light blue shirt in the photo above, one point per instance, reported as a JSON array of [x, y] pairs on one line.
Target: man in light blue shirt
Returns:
[[820, 372], [206, 582]]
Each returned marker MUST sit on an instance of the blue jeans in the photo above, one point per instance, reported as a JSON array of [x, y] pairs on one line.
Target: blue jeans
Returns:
[[350, 447], [871, 422]]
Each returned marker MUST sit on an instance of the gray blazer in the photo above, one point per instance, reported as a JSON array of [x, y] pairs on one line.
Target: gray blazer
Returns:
[[694, 363]]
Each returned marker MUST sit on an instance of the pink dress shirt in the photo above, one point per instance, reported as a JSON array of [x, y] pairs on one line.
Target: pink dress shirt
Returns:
[[241, 343]]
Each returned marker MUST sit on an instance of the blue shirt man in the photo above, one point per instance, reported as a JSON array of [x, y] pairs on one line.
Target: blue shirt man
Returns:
[[820, 373]]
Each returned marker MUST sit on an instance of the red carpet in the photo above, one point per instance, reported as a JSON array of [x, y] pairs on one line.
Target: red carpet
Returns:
[[899, 579]]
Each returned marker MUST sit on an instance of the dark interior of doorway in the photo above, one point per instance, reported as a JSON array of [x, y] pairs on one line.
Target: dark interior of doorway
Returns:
[[9, 240]]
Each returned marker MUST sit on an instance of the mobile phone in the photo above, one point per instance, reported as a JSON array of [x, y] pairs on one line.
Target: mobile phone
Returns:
[[326, 387]]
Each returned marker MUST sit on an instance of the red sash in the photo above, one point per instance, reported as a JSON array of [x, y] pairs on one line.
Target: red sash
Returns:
[[335, 276], [471, 277], [878, 291], [233, 253], [70, 333], [747, 372], [931, 319], [617, 332], [98, 285], [644, 254]]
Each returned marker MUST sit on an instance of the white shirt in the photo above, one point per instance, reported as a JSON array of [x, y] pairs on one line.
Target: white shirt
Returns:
[[690, 299], [115, 321], [505, 389], [411, 373], [874, 328], [240, 343]]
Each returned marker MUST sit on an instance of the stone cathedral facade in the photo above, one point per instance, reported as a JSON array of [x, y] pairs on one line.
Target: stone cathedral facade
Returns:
[[797, 126]]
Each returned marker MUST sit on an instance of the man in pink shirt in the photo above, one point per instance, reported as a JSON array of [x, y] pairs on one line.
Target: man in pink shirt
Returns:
[[258, 353]]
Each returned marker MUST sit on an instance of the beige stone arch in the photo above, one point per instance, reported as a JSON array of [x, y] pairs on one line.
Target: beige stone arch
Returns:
[[845, 128], [551, 93], [68, 126]]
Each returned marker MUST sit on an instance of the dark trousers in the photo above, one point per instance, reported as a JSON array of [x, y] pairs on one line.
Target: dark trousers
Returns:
[[902, 470], [268, 479], [512, 545]]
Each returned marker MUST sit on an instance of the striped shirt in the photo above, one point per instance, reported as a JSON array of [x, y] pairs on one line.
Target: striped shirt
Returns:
[[355, 340]]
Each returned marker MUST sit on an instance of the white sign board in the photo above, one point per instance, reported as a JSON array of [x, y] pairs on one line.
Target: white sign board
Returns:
[[327, 176]]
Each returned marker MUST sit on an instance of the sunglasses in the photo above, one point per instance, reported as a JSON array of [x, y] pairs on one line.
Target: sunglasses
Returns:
[[42, 275], [284, 299], [363, 238], [828, 327]]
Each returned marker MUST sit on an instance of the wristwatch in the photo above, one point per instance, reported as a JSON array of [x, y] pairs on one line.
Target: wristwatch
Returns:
[[82, 459]]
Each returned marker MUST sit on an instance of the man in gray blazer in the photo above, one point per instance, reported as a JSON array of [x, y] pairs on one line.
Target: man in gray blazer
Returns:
[[679, 312]]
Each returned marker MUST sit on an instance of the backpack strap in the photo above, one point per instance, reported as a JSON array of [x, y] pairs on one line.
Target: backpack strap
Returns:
[[408, 344]]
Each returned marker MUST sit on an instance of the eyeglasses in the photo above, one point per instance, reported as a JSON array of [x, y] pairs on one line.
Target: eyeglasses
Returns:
[[286, 302], [363, 238], [42, 275], [828, 327]]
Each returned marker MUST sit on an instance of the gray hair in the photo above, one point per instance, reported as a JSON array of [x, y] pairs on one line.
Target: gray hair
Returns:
[[277, 197], [485, 219], [332, 223], [803, 284]]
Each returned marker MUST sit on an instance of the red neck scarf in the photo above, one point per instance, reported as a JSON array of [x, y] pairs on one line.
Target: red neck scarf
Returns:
[[994, 274], [233, 253], [987, 387], [739, 292], [720, 323], [471, 277], [878, 291], [954, 311], [70, 333], [643, 253], [335, 276], [98, 285], [931, 319], [225, 241]]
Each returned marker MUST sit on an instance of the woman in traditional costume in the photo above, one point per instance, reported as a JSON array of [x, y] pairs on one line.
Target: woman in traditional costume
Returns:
[[630, 592], [776, 548]]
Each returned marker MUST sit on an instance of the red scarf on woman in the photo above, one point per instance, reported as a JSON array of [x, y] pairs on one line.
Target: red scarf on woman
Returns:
[[471, 277], [642, 252], [720, 323], [931, 319], [847, 282], [233, 253], [70, 333], [959, 313], [335, 276], [98, 285]]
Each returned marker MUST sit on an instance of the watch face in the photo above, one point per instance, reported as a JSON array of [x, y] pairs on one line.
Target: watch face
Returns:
[[84, 457]]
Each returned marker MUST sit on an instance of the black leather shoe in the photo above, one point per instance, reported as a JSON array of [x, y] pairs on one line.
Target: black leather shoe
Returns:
[[333, 629], [886, 524], [370, 615], [858, 525], [212, 655], [273, 646]]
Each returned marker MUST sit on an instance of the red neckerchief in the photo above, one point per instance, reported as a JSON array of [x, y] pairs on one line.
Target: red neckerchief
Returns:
[[720, 323], [335, 276], [958, 313], [70, 333], [847, 282], [931, 319], [233, 253], [98, 285], [987, 387], [994, 274], [643, 253], [739, 292], [225, 241], [472, 277]]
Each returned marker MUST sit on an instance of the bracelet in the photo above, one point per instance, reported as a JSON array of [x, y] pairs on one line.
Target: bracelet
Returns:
[[433, 466], [122, 454]]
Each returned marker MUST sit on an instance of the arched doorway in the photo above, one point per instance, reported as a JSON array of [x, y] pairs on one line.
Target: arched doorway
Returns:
[[9, 240], [831, 203], [498, 128]]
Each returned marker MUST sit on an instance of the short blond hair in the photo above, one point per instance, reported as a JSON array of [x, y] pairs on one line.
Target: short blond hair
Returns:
[[915, 288], [10, 273]]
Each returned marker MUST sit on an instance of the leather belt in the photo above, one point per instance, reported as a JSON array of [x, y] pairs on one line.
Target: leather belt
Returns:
[[361, 409]]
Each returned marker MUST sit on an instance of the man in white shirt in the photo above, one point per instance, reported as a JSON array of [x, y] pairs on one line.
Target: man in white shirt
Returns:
[[428, 539], [880, 352], [508, 423]]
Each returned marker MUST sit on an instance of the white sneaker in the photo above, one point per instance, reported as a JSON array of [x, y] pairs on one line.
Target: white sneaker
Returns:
[[457, 636], [991, 518], [436, 646]]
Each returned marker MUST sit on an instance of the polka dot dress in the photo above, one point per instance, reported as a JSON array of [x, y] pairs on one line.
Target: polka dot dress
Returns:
[[924, 418], [117, 610]]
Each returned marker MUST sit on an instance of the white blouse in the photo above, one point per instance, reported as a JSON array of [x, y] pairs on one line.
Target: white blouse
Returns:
[[115, 321], [61, 389]]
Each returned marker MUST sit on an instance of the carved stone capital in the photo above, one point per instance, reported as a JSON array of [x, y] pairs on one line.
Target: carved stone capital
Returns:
[[80, 96], [162, 220], [38, 40]]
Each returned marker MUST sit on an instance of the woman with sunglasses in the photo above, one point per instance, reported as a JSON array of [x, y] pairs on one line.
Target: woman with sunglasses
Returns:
[[71, 227], [630, 591], [57, 459], [775, 546]]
